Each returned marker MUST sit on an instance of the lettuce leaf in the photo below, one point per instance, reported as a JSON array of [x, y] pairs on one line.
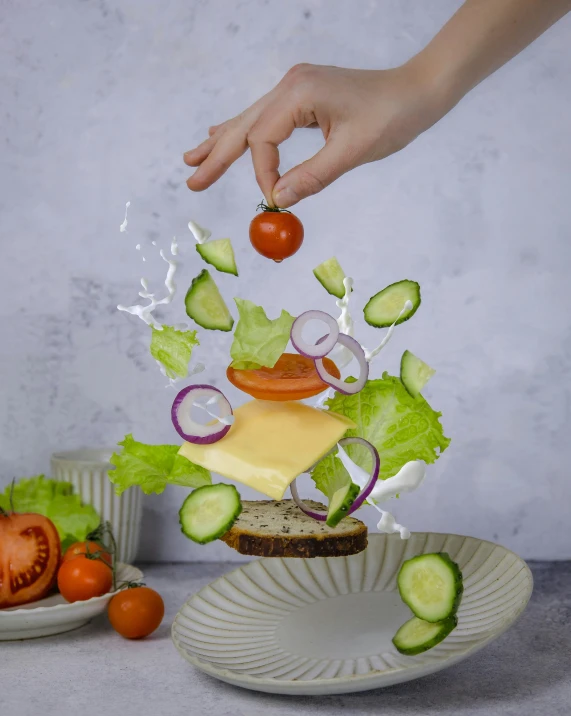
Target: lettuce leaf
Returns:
[[151, 467], [57, 501], [401, 427], [172, 349], [258, 341]]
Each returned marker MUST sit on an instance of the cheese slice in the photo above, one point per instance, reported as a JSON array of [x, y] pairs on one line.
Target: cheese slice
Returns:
[[270, 444]]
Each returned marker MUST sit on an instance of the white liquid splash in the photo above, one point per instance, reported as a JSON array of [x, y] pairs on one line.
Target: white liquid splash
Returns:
[[227, 420], [201, 235], [369, 355], [123, 226]]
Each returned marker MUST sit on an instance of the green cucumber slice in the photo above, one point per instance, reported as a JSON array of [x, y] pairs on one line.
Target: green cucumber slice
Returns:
[[416, 635], [220, 254], [205, 305], [431, 585], [414, 373], [209, 511], [340, 502], [383, 309], [330, 275]]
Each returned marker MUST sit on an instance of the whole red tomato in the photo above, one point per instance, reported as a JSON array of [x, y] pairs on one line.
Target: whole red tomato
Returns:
[[83, 578], [78, 549], [29, 557], [276, 234], [136, 612]]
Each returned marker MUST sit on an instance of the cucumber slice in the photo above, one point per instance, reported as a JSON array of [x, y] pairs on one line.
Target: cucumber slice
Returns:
[[330, 275], [205, 305], [220, 254], [383, 309], [431, 585], [209, 511], [414, 373], [340, 503], [416, 635]]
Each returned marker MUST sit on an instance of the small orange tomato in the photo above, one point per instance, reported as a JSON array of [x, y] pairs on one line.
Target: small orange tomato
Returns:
[[136, 612], [82, 578], [78, 549], [276, 234]]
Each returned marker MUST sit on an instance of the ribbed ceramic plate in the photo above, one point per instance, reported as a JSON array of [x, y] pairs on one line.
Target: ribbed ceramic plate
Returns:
[[324, 626], [53, 615]]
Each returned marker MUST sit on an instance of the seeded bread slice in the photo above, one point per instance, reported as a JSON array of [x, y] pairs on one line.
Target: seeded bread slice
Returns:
[[270, 528]]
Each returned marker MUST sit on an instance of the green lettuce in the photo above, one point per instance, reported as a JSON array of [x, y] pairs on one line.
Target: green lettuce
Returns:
[[172, 349], [258, 341], [401, 427], [151, 467], [57, 501]]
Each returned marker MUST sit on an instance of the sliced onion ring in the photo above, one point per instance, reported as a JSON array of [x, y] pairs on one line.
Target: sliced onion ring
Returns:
[[189, 429], [340, 385], [361, 497], [325, 345]]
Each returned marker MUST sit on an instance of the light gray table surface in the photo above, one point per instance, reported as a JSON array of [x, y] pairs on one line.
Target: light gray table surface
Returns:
[[92, 670]]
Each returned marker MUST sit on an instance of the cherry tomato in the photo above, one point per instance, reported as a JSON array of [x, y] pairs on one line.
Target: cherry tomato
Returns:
[[29, 557], [78, 549], [83, 578], [136, 612], [276, 234], [294, 377]]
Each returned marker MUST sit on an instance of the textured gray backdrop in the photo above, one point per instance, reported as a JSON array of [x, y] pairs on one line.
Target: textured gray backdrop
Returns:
[[98, 101]]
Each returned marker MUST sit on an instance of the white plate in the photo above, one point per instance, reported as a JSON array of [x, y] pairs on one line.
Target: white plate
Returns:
[[53, 615], [324, 626]]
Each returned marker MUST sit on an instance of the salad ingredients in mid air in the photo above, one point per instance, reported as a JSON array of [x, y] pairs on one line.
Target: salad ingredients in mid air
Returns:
[[205, 305], [55, 500], [209, 512], [136, 611], [258, 341], [386, 307], [30, 552], [151, 467], [417, 636], [220, 254], [276, 233], [208, 398], [331, 276], [172, 349], [414, 373], [293, 377]]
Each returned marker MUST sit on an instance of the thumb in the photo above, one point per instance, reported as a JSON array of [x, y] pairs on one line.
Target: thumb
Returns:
[[315, 174]]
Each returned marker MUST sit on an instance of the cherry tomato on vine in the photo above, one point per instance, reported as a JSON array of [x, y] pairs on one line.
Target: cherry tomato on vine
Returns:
[[78, 549], [275, 233], [136, 612], [83, 578]]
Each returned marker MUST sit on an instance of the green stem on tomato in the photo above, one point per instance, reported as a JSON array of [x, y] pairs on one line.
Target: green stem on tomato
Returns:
[[262, 205]]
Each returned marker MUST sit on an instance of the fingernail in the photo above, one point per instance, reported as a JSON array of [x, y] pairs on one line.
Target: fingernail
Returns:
[[285, 197]]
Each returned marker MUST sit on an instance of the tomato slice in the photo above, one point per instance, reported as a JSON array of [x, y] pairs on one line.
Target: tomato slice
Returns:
[[292, 378], [30, 552]]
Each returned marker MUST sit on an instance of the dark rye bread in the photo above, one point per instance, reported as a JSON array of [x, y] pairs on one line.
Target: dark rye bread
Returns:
[[269, 528]]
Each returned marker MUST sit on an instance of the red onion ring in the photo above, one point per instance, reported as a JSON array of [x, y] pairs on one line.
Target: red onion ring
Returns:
[[340, 385], [361, 497], [189, 429], [325, 345]]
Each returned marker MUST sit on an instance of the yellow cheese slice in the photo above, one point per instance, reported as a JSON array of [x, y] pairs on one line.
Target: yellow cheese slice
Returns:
[[270, 444]]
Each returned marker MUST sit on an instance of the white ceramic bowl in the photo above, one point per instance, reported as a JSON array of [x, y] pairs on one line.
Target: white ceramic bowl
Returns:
[[53, 615], [324, 626]]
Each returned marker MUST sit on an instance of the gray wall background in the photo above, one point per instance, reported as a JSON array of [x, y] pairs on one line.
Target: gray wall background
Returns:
[[99, 100]]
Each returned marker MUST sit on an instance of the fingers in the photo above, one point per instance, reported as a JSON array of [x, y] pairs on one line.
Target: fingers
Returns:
[[226, 150], [274, 126], [195, 157], [316, 173]]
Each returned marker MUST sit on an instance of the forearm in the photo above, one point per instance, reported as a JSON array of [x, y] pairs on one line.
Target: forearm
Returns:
[[481, 37]]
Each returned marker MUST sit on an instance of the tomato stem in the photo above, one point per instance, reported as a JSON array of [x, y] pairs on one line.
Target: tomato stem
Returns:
[[262, 205], [98, 535]]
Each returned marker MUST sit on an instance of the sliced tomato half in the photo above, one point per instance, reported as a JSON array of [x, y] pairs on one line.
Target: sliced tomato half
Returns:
[[292, 378], [30, 553]]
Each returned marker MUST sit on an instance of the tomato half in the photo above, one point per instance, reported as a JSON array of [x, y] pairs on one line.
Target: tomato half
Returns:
[[276, 235], [30, 552], [78, 549], [293, 377], [82, 578], [136, 612]]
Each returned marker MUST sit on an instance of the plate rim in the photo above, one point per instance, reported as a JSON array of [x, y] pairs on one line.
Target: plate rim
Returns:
[[361, 681]]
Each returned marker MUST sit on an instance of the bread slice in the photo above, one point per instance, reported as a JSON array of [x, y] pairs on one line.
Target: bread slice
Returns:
[[270, 528]]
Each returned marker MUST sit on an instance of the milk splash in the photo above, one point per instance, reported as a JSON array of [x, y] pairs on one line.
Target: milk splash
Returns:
[[227, 420], [200, 234], [123, 226]]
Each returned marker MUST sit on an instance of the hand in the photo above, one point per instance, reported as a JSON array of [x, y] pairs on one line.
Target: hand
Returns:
[[364, 115]]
